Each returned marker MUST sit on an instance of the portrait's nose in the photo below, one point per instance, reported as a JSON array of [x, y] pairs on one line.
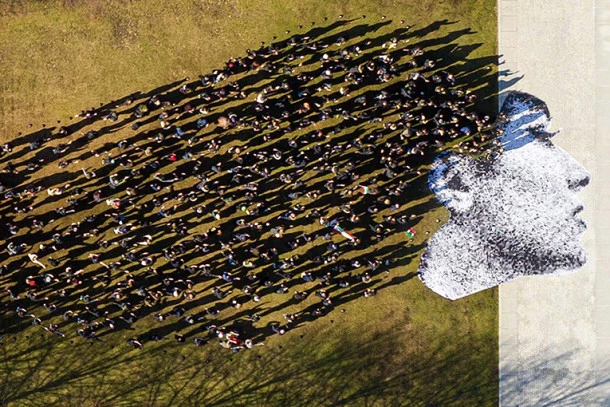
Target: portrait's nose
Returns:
[[578, 184], [578, 177]]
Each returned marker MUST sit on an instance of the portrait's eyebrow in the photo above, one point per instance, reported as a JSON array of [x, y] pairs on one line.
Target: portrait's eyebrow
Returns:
[[545, 135]]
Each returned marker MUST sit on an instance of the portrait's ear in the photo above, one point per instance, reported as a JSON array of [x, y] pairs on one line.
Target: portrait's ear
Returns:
[[451, 179]]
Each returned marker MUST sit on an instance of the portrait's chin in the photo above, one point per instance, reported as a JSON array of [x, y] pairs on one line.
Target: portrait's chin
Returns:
[[581, 257], [567, 251], [581, 226], [570, 261]]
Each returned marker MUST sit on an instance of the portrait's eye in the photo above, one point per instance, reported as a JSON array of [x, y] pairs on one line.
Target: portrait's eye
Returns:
[[546, 140]]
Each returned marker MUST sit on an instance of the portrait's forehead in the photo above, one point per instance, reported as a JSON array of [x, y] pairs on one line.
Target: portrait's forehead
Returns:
[[518, 103], [525, 118]]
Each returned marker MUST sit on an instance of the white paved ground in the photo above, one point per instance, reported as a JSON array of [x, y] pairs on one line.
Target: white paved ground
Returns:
[[555, 331]]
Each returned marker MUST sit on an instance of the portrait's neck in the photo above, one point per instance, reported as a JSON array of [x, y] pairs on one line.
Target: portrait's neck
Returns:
[[458, 262]]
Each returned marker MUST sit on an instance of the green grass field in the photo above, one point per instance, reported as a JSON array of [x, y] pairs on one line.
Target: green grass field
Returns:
[[405, 346]]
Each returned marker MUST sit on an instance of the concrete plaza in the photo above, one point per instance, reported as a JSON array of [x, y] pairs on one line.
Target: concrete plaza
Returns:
[[555, 330]]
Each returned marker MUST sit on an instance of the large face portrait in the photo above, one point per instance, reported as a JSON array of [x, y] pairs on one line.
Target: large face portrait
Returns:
[[512, 215]]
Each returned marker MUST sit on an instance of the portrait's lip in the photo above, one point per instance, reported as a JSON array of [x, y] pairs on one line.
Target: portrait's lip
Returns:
[[577, 210], [581, 224]]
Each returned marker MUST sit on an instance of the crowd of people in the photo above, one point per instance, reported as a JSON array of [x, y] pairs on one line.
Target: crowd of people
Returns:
[[260, 183]]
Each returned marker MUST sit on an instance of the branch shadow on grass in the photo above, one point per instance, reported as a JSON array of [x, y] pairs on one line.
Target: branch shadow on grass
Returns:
[[373, 368]]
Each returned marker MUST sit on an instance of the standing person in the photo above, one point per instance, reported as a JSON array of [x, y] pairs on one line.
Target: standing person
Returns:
[[34, 259]]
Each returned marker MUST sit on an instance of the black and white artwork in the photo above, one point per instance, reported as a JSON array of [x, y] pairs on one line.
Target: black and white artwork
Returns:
[[511, 215]]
